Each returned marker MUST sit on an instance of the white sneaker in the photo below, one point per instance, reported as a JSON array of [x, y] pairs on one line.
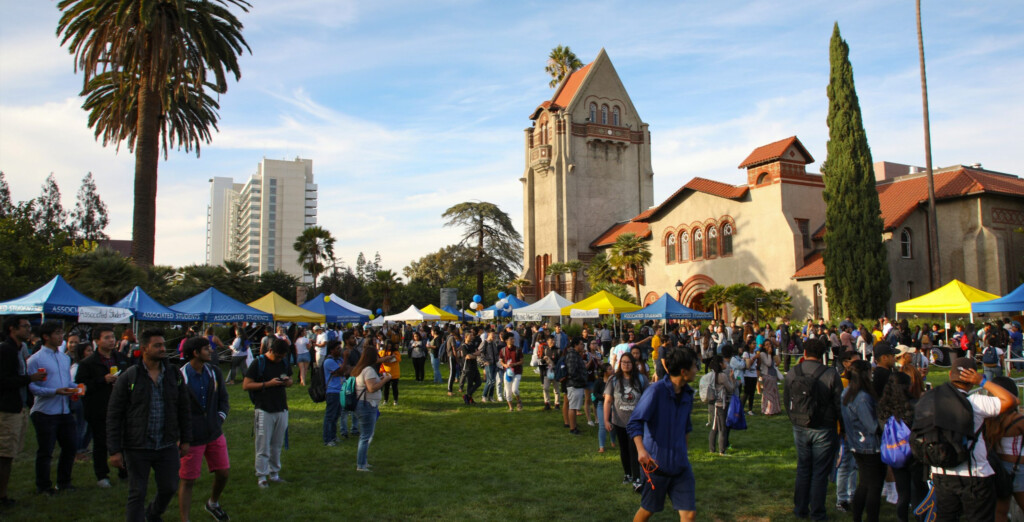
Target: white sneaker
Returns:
[[591, 423], [103, 483]]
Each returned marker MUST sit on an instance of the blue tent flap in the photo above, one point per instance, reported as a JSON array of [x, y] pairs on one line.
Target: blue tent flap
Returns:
[[216, 307], [333, 312], [148, 309], [1011, 302], [665, 308], [55, 298], [514, 301]]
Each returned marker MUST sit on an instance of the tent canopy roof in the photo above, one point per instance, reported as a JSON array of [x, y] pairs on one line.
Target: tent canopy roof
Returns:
[[953, 298], [666, 307], [445, 315], [604, 302], [550, 306], [284, 310], [148, 309], [462, 316], [216, 307], [350, 306], [412, 314], [333, 312], [56, 297], [1011, 302]]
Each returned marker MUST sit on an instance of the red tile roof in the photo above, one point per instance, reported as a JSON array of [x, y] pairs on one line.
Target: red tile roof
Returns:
[[570, 85], [707, 186], [814, 266], [643, 230], [774, 151], [899, 198]]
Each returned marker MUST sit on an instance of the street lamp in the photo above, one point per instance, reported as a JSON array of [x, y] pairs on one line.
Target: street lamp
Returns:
[[757, 308], [679, 291]]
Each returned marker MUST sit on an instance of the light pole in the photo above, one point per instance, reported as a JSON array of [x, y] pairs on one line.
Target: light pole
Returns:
[[757, 308], [679, 291]]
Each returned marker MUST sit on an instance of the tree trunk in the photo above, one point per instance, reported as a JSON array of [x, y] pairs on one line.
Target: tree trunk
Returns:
[[147, 159], [479, 261], [935, 275]]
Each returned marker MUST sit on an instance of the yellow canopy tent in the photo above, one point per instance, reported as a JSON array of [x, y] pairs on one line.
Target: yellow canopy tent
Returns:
[[953, 298], [605, 304], [444, 316], [284, 310]]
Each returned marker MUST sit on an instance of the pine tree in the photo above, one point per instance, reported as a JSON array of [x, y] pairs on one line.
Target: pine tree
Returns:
[[48, 213], [6, 205], [90, 215], [361, 268], [856, 267]]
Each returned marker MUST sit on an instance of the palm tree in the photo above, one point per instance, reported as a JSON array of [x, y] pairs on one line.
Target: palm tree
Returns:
[[778, 303], [561, 63], [103, 274], [162, 50], [555, 270], [316, 248], [933, 226], [518, 283], [630, 254], [573, 267], [601, 271], [381, 285], [496, 245], [240, 280], [714, 298]]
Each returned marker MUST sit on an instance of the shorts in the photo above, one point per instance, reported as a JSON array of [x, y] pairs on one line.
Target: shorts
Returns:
[[575, 398], [216, 453], [679, 488], [305, 357], [13, 427], [1018, 478]]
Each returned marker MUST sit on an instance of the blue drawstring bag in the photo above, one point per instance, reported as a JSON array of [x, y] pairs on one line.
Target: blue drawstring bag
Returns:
[[736, 419], [895, 443]]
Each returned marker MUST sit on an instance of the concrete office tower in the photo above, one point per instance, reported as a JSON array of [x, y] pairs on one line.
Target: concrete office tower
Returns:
[[257, 222]]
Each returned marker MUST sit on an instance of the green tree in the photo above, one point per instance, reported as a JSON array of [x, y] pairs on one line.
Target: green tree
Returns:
[[361, 268], [630, 255], [159, 282], [496, 245], [89, 217], [194, 279], [161, 49], [556, 271], [561, 63], [778, 303], [103, 274], [573, 268], [439, 268], [856, 267], [715, 297], [28, 260], [278, 281], [601, 271], [48, 212], [618, 290], [744, 300], [316, 250], [382, 286], [518, 283], [241, 281], [6, 205]]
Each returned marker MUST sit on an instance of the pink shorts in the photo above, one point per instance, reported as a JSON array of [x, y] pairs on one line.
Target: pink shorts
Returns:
[[216, 453]]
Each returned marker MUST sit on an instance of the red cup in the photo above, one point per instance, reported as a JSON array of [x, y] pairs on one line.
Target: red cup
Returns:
[[42, 371]]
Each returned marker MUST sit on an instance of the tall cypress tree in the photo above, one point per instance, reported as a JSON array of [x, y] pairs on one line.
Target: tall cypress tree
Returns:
[[856, 266]]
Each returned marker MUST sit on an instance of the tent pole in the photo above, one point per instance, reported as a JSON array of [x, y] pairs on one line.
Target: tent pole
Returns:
[[945, 327]]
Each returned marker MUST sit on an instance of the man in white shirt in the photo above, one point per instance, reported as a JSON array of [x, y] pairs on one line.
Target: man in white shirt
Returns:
[[321, 345], [967, 489]]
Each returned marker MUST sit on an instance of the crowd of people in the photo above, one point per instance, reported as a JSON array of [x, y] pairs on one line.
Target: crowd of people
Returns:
[[150, 416]]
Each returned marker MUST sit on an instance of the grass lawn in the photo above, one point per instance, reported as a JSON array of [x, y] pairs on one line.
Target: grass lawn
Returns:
[[435, 459]]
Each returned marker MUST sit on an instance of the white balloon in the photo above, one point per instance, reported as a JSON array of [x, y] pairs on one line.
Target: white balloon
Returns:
[[473, 305]]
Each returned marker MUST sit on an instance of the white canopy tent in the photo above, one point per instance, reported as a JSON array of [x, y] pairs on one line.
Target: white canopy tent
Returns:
[[550, 306], [350, 306], [412, 314]]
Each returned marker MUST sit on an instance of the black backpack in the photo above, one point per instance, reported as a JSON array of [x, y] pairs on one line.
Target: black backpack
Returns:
[[990, 356], [803, 395], [943, 435], [317, 384], [561, 370]]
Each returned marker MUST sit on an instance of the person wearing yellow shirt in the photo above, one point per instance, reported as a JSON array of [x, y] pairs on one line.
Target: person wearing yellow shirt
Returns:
[[656, 343], [390, 363]]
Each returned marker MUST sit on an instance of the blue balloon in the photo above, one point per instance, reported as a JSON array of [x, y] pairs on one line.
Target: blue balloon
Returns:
[[477, 298], [379, 311], [501, 295]]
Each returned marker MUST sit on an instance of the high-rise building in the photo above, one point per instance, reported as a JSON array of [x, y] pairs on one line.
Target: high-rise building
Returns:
[[256, 222]]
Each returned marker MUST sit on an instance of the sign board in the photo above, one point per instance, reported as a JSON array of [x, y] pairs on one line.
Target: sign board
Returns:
[[104, 314], [487, 314], [585, 314]]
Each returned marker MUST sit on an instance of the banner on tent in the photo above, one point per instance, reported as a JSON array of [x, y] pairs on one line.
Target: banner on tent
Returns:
[[104, 314], [593, 313], [487, 314], [528, 316]]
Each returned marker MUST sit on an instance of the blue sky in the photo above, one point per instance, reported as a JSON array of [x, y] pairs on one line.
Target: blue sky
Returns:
[[407, 108]]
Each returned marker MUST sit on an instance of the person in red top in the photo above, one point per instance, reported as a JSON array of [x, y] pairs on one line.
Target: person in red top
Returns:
[[512, 364]]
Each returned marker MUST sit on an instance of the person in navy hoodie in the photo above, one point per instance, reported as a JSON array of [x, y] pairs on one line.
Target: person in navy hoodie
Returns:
[[660, 426]]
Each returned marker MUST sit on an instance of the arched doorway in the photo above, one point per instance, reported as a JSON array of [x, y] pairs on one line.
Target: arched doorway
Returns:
[[697, 302], [692, 294]]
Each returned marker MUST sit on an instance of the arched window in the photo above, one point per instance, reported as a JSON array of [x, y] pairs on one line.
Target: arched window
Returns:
[[712, 241], [670, 249], [698, 243], [727, 239], [684, 246], [906, 244], [762, 179], [593, 113], [604, 115], [615, 115]]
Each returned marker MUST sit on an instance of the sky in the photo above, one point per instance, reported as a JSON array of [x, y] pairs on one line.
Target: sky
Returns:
[[407, 108]]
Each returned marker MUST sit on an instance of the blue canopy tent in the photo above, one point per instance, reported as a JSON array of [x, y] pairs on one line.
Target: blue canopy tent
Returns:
[[54, 298], [1011, 302], [148, 309], [215, 307], [665, 308], [333, 312], [461, 315], [513, 301]]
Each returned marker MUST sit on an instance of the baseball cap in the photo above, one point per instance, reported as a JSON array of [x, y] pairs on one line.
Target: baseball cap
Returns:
[[882, 348], [902, 349], [965, 363]]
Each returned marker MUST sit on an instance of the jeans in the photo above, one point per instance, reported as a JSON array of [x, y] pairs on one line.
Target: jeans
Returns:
[[237, 366], [348, 418], [51, 429], [83, 433], [868, 497], [602, 433], [331, 417], [367, 417], [991, 372], [418, 364], [99, 448], [490, 371], [472, 376], [815, 450], [165, 465], [435, 364], [718, 435], [627, 453], [846, 475], [911, 487]]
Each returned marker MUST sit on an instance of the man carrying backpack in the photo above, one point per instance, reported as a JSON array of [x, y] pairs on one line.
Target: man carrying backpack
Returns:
[[811, 395], [962, 486], [266, 380]]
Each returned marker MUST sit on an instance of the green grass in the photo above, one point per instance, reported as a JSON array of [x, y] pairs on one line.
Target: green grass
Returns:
[[436, 459]]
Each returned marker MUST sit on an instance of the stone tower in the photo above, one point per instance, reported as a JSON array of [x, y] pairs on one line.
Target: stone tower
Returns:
[[588, 166]]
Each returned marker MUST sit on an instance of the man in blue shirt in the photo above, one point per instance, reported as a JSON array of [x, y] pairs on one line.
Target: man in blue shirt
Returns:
[[51, 413], [660, 427], [335, 370]]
